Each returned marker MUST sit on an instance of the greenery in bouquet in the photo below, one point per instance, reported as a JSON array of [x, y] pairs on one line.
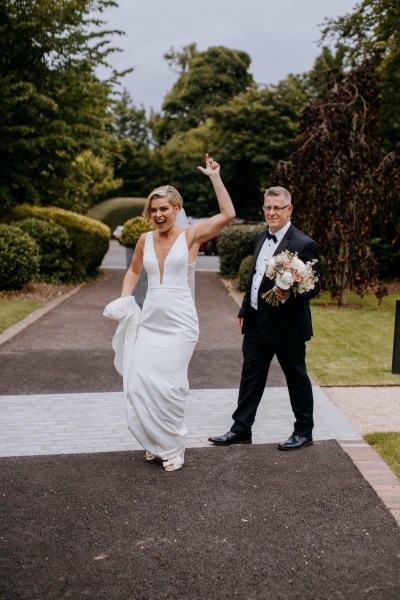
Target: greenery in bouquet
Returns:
[[133, 229]]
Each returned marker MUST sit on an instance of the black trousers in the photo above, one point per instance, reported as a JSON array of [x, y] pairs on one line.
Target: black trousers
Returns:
[[257, 355]]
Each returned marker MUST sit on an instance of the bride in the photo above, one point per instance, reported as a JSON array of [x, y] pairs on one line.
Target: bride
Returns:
[[156, 382]]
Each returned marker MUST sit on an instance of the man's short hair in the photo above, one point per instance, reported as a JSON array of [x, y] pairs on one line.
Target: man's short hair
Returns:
[[279, 191]]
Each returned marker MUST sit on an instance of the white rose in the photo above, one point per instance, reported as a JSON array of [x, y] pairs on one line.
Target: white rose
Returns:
[[271, 262], [270, 268], [285, 280], [298, 264]]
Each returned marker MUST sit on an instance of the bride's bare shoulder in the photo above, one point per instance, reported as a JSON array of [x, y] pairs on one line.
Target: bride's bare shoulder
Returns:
[[141, 241]]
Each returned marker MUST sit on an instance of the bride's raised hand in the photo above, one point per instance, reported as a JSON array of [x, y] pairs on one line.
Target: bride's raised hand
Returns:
[[211, 168]]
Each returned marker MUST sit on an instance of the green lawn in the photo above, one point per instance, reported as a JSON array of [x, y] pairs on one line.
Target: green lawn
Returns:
[[12, 311], [354, 345], [388, 447]]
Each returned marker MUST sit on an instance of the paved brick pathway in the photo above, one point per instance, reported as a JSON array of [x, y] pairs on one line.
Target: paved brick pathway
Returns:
[[74, 423]]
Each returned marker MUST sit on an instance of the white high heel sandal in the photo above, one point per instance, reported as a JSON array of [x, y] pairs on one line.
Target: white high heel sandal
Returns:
[[176, 462]]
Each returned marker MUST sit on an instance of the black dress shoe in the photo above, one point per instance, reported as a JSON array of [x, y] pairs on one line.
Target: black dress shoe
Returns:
[[296, 442], [231, 438]]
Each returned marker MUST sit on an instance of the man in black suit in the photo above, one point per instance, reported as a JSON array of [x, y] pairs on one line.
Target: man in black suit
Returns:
[[275, 330]]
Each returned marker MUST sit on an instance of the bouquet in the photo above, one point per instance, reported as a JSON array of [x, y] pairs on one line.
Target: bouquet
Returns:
[[290, 273]]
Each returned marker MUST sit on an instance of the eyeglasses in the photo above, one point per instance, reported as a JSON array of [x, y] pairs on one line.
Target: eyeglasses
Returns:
[[276, 209]]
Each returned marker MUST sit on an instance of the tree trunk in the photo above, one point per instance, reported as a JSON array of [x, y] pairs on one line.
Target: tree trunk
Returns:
[[341, 276]]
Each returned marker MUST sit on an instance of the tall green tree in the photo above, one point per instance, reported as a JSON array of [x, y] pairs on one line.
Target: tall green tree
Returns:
[[247, 135], [327, 69], [130, 122], [179, 60], [91, 180], [137, 167], [209, 79], [179, 159], [53, 105], [253, 132], [372, 32], [333, 177], [135, 161]]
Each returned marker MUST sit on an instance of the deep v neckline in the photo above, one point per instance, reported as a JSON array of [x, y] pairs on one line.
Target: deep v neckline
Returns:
[[161, 273]]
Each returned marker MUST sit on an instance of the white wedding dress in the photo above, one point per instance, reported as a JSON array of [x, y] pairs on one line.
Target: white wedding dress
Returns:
[[156, 383]]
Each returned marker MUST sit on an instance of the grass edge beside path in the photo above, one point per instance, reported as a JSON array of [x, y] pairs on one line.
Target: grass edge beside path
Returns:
[[12, 311], [387, 445], [16, 305]]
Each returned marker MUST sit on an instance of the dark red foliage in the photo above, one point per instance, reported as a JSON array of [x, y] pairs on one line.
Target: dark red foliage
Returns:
[[335, 177]]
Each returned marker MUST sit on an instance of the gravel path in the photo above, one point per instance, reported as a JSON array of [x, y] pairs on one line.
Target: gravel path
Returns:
[[369, 408]]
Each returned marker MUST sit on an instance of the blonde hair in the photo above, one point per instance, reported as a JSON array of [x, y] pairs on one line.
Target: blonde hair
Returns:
[[164, 191]]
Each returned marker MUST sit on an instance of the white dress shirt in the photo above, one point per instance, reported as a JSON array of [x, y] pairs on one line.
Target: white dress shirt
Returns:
[[267, 250]]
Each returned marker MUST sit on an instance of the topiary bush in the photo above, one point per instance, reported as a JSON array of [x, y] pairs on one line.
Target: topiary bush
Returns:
[[116, 211], [133, 229], [244, 272], [234, 244], [56, 264], [19, 258], [90, 238]]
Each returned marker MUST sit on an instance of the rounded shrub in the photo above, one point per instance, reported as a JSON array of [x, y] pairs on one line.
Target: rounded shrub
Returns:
[[89, 238], [19, 258], [116, 211], [244, 270], [56, 264], [133, 229], [234, 244]]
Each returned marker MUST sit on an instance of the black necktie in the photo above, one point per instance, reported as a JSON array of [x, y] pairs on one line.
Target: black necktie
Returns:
[[272, 236]]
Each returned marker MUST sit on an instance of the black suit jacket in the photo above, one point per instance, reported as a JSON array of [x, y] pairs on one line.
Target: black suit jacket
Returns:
[[289, 322]]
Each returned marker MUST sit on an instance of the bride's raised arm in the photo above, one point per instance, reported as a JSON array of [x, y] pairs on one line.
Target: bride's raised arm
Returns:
[[209, 229]]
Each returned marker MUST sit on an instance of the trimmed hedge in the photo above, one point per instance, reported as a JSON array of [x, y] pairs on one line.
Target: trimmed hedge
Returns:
[[117, 211], [19, 258], [133, 229], [244, 272], [234, 244], [89, 238], [55, 262]]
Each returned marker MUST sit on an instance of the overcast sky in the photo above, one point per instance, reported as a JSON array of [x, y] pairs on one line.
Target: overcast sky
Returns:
[[279, 35]]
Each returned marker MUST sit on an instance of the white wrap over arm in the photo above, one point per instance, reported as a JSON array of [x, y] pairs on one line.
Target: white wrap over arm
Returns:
[[127, 312]]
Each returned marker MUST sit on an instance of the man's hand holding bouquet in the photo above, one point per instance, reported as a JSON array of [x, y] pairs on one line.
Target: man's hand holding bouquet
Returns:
[[290, 273]]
